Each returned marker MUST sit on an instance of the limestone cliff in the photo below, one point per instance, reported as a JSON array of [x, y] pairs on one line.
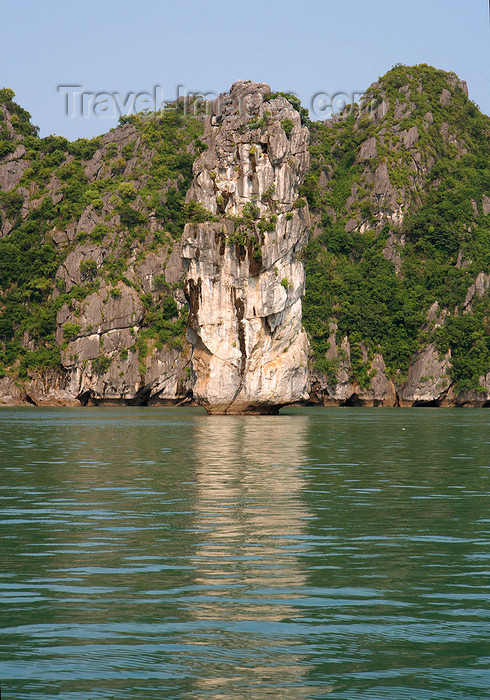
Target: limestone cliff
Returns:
[[397, 302], [90, 237], [113, 249], [244, 276]]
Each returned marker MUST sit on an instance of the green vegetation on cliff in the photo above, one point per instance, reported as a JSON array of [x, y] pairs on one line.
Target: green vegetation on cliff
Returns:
[[101, 192], [397, 191]]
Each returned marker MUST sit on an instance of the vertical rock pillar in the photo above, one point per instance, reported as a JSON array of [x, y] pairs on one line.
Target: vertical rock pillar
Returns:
[[241, 252]]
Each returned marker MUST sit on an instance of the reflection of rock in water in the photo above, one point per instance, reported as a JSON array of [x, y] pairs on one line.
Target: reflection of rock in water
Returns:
[[250, 520]]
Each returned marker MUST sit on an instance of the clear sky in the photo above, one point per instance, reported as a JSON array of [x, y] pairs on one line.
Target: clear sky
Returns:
[[307, 47]]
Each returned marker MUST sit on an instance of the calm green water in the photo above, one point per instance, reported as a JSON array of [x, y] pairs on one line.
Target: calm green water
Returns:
[[162, 553]]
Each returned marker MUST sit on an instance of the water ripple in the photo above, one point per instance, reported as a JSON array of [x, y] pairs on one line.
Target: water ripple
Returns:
[[163, 554]]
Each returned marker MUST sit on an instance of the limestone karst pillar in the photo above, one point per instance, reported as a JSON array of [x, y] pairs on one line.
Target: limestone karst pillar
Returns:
[[244, 274]]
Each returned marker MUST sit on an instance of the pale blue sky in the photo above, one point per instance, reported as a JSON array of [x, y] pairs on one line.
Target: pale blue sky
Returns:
[[305, 47]]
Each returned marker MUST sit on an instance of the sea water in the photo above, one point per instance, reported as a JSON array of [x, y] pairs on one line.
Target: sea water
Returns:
[[321, 553]]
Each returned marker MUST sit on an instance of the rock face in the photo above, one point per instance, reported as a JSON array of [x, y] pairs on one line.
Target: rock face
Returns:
[[339, 390], [364, 229], [115, 303], [100, 281], [428, 379], [101, 358], [244, 276]]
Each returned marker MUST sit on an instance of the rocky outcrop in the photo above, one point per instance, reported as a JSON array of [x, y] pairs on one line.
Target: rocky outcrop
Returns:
[[339, 388], [103, 360], [101, 317], [480, 287], [244, 276], [428, 379], [388, 203], [117, 294]]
